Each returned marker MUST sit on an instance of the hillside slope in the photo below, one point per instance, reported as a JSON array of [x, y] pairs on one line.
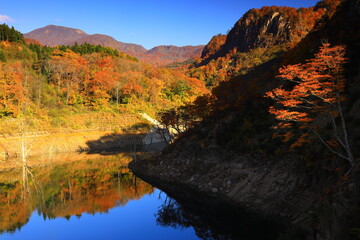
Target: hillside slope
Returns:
[[52, 35], [167, 54], [232, 154], [107, 41], [269, 26]]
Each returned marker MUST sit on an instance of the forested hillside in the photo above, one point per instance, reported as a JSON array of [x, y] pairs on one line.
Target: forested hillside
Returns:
[[45, 82]]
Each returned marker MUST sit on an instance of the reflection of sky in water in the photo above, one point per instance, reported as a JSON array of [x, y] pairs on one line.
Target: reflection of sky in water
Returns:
[[136, 220]]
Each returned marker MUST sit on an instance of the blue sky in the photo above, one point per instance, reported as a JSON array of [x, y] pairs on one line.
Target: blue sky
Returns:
[[147, 22]]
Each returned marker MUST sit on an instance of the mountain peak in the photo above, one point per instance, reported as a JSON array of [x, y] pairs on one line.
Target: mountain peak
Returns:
[[52, 35]]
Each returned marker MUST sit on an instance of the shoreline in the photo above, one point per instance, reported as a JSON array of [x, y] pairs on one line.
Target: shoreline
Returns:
[[236, 220], [269, 188], [51, 144]]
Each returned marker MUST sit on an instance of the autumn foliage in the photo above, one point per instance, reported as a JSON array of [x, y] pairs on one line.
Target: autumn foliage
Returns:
[[258, 37], [11, 92], [96, 80], [318, 85], [36, 80], [313, 89]]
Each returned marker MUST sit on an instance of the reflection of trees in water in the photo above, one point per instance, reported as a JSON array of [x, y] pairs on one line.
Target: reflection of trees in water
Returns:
[[92, 192], [172, 214], [14, 209], [213, 221], [27, 177], [90, 186]]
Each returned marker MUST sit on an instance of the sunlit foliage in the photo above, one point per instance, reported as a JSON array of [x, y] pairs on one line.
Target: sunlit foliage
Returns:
[[317, 89]]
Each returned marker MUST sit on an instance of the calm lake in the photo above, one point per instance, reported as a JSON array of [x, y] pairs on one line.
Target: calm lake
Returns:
[[97, 197]]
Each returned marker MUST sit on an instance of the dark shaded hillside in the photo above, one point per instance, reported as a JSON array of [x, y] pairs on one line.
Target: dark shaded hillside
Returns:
[[240, 120], [232, 153], [244, 94]]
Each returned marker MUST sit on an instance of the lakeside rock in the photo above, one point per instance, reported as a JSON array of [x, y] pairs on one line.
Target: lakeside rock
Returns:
[[270, 188]]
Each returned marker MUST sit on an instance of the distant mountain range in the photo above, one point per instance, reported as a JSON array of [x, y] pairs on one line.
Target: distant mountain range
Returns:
[[52, 35]]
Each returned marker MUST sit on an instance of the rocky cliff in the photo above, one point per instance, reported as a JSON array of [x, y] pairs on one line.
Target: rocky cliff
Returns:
[[269, 26], [255, 30]]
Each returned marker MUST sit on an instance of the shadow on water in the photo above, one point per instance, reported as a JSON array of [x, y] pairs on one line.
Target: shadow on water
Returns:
[[211, 218], [218, 220]]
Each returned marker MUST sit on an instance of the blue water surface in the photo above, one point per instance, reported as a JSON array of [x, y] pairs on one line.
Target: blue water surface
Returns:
[[135, 220]]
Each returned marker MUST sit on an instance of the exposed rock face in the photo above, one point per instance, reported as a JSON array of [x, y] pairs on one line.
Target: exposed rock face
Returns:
[[265, 27], [213, 46], [252, 31]]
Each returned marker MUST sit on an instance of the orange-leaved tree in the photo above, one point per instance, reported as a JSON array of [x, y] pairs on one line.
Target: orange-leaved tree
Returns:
[[11, 92], [314, 89]]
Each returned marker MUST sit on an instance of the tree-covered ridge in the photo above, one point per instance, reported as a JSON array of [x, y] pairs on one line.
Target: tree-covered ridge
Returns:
[[44, 52], [10, 34], [87, 48], [36, 79]]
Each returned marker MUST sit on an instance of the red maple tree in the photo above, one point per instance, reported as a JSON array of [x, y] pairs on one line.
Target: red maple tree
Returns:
[[317, 88]]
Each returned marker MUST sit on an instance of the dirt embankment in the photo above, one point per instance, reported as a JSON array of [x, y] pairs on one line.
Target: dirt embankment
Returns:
[[83, 132], [47, 145]]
